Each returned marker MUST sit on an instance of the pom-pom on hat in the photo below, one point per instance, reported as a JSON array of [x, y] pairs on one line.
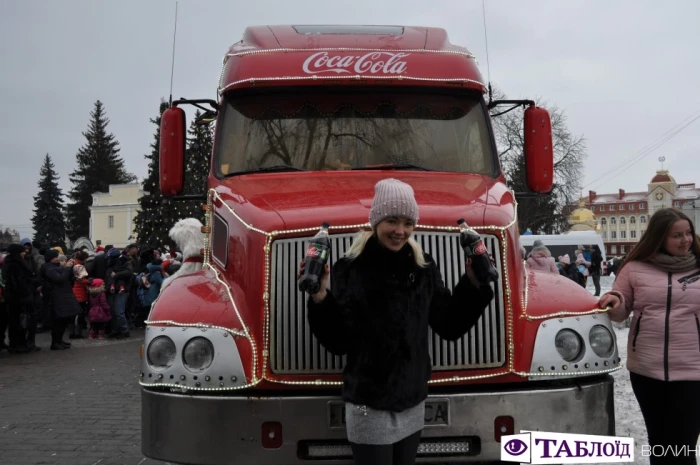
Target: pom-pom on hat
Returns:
[[392, 198]]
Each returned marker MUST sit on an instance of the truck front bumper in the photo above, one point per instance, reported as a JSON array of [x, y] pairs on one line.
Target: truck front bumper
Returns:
[[208, 430]]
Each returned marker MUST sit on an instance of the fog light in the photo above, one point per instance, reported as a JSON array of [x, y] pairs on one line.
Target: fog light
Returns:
[[271, 435], [503, 426]]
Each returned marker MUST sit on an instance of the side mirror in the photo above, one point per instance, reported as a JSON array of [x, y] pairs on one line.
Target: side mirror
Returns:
[[172, 151], [539, 153]]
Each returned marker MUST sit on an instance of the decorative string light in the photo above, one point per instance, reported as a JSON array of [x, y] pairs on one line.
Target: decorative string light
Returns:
[[356, 77], [524, 303], [509, 310], [213, 196]]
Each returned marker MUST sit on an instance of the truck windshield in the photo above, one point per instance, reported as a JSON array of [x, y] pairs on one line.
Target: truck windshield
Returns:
[[313, 129]]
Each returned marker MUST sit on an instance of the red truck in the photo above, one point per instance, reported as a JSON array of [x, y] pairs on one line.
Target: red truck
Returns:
[[308, 119]]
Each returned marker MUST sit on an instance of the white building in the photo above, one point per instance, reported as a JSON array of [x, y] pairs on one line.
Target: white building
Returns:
[[112, 214], [622, 217]]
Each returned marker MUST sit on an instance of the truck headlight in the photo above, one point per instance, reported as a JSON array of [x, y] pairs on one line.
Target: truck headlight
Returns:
[[198, 354], [569, 344], [602, 341], [161, 352]]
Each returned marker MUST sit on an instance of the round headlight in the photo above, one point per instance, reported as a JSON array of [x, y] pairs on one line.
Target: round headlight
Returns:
[[602, 341], [161, 352], [569, 345], [198, 354]]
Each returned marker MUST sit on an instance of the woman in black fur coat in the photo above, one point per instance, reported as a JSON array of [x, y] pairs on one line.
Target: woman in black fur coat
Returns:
[[386, 294]]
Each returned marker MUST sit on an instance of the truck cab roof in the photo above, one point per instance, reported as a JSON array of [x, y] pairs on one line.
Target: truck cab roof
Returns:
[[302, 55], [305, 37]]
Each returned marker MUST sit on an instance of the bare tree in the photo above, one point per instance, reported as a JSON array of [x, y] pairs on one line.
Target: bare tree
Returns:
[[307, 143], [542, 214]]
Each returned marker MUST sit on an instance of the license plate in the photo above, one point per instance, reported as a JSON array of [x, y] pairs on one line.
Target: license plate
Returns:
[[437, 413]]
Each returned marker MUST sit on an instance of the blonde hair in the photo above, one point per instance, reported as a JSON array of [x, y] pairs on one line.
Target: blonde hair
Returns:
[[360, 242]]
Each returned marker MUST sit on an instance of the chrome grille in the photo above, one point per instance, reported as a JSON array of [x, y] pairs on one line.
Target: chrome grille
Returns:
[[293, 349]]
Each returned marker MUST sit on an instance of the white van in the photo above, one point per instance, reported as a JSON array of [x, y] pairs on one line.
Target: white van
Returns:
[[567, 243]]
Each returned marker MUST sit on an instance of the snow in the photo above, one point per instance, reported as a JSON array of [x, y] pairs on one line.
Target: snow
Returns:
[[628, 418]]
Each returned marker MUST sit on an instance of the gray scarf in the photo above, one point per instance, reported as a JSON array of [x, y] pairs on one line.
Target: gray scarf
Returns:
[[673, 264]]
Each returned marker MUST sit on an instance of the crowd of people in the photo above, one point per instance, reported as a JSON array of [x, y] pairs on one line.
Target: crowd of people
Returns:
[[588, 263], [105, 292]]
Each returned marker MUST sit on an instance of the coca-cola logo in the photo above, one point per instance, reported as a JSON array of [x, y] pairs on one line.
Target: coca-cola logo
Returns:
[[480, 248], [312, 252], [372, 62]]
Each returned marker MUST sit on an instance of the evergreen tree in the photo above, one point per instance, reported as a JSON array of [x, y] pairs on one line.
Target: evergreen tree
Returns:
[[198, 157], [99, 165], [48, 220]]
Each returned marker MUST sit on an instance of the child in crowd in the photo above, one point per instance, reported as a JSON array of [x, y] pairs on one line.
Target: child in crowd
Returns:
[[120, 265], [99, 313]]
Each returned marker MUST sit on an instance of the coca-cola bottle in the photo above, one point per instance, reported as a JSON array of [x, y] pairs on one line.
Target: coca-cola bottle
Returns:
[[475, 250], [315, 261]]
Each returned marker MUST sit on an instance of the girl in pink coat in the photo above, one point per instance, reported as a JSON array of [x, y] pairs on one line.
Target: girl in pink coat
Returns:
[[99, 314], [659, 283], [541, 259]]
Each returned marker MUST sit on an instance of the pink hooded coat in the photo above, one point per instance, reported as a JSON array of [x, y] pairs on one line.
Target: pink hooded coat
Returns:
[[545, 264], [664, 337]]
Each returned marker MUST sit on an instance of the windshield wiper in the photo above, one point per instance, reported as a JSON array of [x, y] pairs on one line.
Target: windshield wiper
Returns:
[[397, 166], [268, 169]]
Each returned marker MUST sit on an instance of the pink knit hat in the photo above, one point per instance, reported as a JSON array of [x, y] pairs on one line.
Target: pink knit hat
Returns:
[[392, 198]]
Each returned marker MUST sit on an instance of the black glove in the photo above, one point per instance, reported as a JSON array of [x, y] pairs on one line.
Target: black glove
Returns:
[[484, 268]]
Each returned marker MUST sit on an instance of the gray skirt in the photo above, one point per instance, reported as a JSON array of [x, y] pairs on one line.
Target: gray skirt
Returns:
[[381, 427]]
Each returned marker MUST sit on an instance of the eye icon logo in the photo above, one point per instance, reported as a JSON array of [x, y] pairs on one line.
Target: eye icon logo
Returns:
[[515, 447]]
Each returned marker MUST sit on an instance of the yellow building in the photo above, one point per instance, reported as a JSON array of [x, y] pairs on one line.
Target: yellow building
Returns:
[[582, 219], [112, 214]]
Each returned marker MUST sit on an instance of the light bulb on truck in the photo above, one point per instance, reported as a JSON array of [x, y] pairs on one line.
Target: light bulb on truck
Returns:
[[198, 354], [601, 341], [569, 344], [161, 352]]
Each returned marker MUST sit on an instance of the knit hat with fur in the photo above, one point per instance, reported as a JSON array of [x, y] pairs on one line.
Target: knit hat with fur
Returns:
[[392, 198]]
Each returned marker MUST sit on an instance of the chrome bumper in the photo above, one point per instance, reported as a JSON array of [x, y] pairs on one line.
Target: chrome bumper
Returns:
[[208, 430]]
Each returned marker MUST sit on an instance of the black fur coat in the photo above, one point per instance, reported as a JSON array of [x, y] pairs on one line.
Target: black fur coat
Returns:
[[378, 313]]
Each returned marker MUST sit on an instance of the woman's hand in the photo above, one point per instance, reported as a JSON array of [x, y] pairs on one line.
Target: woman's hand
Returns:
[[471, 275], [321, 294], [609, 300]]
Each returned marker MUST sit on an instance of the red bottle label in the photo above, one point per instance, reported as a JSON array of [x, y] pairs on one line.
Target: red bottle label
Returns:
[[480, 248]]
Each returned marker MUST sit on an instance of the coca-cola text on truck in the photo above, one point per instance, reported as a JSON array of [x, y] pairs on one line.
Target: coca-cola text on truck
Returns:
[[308, 119]]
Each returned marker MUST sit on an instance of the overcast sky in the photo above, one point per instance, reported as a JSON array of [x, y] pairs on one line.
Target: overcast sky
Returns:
[[625, 72]]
